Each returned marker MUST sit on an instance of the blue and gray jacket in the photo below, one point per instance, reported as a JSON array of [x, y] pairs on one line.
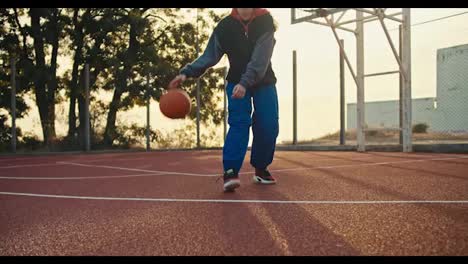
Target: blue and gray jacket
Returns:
[[248, 45]]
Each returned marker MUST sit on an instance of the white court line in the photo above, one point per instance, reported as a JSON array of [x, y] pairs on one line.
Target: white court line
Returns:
[[56, 163], [80, 178], [132, 169], [104, 160], [234, 201], [367, 157], [31, 165], [361, 165], [278, 170], [164, 173], [366, 164]]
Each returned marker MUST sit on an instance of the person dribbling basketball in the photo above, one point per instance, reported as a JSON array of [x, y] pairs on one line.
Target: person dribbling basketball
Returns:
[[247, 37]]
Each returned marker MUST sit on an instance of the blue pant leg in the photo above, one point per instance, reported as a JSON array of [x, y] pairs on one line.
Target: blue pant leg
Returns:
[[237, 138], [265, 126]]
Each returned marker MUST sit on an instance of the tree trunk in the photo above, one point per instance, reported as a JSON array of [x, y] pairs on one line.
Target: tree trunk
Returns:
[[81, 112], [77, 61], [52, 85], [40, 80], [23, 33], [110, 132], [81, 90], [121, 86]]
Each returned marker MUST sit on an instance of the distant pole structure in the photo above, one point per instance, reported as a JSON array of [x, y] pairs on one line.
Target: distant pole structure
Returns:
[[198, 86], [334, 19], [225, 105], [87, 119], [13, 104], [342, 96], [400, 31], [148, 147], [360, 105], [406, 72], [294, 97]]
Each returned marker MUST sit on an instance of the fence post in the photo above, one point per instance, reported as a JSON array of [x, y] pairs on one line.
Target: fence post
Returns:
[[294, 97], [400, 31], [360, 105], [406, 90], [342, 97], [198, 85], [87, 121], [148, 147], [13, 104]]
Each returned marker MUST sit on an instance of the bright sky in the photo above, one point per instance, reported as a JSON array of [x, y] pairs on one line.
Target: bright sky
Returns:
[[318, 72]]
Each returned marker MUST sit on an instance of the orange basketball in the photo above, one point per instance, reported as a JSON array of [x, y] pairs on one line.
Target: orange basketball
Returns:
[[175, 104]]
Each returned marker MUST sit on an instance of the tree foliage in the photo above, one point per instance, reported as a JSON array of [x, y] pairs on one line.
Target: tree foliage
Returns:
[[124, 47]]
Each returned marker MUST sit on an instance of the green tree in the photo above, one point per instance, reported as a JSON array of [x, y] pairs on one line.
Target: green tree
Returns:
[[10, 47], [156, 44], [46, 35], [122, 47]]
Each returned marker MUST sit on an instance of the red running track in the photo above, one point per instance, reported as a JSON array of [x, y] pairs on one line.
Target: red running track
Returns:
[[169, 203]]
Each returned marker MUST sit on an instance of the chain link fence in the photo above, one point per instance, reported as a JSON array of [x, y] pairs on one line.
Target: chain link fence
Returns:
[[317, 94]]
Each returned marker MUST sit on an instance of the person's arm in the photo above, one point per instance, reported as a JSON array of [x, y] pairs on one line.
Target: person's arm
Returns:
[[259, 61], [210, 57]]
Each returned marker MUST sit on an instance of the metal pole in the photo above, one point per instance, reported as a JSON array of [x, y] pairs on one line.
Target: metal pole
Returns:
[[360, 80], [342, 50], [87, 122], [13, 104], [381, 73], [358, 77], [225, 105], [293, 15], [400, 63], [294, 97], [340, 17], [148, 147], [400, 110], [198, 113], [198, 89], [342, 97], [325, 24], [368, 19], [406, 68]]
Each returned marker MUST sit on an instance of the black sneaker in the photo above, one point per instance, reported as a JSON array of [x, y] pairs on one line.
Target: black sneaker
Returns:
[[231, 180], [263, 177]]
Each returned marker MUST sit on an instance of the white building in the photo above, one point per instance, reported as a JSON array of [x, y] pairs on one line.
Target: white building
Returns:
[[448, 112]]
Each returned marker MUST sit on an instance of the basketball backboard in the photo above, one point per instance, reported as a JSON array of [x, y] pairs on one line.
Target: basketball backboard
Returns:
[[299, 15]]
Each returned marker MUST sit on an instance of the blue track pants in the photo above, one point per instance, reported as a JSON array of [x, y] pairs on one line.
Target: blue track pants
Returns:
[[265, 127]]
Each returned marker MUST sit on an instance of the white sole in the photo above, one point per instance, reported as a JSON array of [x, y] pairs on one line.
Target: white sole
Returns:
[[259, 180], [231, 185]]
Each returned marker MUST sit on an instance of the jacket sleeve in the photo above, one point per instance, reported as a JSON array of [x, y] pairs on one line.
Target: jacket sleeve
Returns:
[[259, 61], [210, 57]]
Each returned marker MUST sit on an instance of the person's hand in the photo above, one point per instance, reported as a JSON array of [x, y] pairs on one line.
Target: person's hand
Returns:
[[177, 81], [238, 92]]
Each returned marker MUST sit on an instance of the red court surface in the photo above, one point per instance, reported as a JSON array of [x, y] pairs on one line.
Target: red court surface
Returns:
[[169, 203]]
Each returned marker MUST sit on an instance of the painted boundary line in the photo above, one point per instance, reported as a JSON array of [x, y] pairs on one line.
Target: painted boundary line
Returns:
[[165, 173], [31, 165], [80, 178], [231, 201], [278, 170]]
